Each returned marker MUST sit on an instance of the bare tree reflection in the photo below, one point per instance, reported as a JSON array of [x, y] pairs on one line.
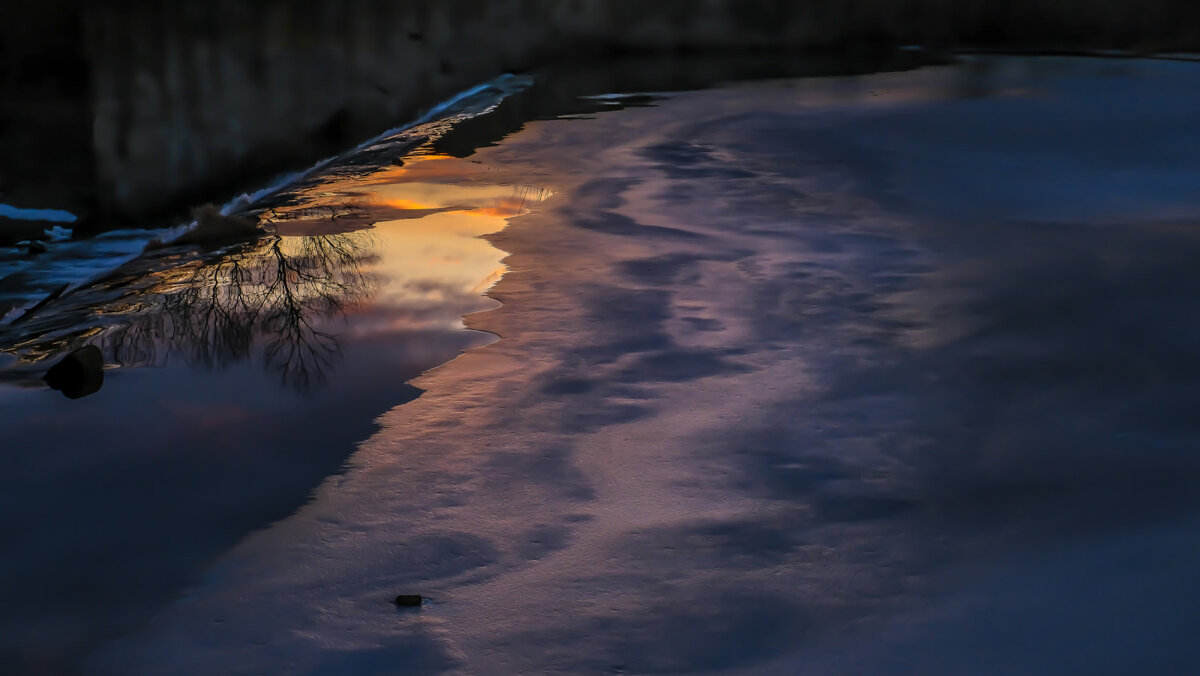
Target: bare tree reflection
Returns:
[[277, 292]]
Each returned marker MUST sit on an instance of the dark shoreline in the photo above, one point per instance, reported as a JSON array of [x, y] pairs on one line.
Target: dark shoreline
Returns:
[[110, 113]]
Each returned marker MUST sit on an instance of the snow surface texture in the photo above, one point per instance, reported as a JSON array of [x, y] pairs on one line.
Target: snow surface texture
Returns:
[[887, 374]]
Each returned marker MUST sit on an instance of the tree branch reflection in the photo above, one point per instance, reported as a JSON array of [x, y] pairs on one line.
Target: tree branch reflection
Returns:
[[279, 292]]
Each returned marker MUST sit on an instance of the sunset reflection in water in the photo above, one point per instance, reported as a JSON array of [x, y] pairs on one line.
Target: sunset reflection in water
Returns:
[[426, 220], [352, 254]]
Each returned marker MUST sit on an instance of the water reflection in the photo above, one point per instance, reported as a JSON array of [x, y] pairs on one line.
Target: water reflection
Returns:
[[427, 217], [278, 293], [393, 248]]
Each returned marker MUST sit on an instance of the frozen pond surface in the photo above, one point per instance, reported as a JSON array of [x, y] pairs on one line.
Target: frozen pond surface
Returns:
[[880, 374]]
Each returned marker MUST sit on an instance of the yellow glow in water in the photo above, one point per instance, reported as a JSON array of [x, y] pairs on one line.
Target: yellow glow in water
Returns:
[[424, 221]]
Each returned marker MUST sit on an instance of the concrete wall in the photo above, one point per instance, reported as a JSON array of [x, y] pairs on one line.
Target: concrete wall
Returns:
[[185, 100]]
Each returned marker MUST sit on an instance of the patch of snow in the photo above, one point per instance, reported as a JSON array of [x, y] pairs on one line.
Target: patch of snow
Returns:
[[58, 233], [52, 215]]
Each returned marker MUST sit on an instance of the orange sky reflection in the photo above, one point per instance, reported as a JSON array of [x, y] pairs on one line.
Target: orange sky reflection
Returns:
[[426, 218]]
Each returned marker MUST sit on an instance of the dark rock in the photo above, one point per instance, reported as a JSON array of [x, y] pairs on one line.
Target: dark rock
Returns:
[[14, 230], [408, 600], [36, 247], [78, 374]]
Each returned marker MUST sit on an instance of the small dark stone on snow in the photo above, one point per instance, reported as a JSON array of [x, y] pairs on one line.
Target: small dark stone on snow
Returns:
[[37, 247], [408, 600]]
